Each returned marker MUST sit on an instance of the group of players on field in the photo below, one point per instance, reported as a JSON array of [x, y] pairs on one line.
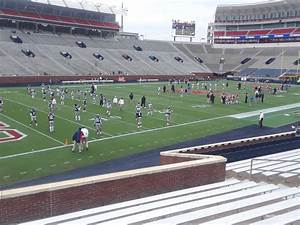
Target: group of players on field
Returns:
[[81, 135]]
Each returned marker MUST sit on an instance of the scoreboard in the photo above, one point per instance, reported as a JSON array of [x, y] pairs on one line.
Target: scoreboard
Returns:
[[184, 28]]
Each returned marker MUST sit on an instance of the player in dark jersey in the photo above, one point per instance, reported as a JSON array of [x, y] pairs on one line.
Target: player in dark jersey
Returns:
[[84, 104], [138, 115], [51, 121], [33, 119], [44, 95]]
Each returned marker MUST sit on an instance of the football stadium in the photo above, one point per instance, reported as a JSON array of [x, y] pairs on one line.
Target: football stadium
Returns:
[[103, 126]]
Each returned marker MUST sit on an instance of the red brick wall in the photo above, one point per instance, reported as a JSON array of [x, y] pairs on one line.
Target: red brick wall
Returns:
[[45, 204]]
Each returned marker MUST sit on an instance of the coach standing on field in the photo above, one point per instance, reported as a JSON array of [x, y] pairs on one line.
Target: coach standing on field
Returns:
[[261, 118]]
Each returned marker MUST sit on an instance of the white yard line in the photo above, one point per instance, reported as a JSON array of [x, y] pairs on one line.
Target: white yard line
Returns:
[[45, 135], [71, 121], [265, 111]]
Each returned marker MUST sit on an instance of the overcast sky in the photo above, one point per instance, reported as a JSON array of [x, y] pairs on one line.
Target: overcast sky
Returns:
[[153, 18]]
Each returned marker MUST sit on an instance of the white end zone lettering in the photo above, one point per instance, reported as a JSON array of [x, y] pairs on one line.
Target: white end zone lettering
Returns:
[[10, 135]]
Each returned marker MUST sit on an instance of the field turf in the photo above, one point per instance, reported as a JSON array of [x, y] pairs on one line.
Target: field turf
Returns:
[[41, 153]]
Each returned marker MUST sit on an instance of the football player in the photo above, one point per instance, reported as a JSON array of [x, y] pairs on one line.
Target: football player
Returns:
[[115, 100], [168, 113], [72, 95], [108, 106], [51, 121], [77, 112], [33, 119], [138, 115], [84, 139], [1, 105], [98, 124], [121, 103], [84, 104], [62, 98], [150, 109], [76, 140], [94, 95]]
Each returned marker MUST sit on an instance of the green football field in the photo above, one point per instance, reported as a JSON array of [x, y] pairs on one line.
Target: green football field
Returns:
[[40, 153]]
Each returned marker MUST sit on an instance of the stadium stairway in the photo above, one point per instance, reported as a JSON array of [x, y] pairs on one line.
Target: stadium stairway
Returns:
[[279, 168], [229, 202]]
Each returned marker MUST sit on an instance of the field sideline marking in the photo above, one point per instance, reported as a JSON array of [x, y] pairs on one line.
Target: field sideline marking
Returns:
[[53, 139], [70, 121], [114, 137], [267, 110]]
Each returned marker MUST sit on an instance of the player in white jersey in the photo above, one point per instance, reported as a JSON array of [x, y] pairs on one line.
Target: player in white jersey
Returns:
[[98, 124], [138, 115], [94, 98], [77, 112], [32, 93], [51, 121], [168, 113], [53, 104], [115, 100], [33, 119], [150, 109], [108, 106], [1, 105], [72, 94], [121, 103], [84, 139]]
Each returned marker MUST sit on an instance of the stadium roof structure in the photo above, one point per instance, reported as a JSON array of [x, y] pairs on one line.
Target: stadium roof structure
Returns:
[[83, 5]]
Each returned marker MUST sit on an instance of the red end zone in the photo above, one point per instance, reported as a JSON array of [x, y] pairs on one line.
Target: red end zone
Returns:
[[10, 134]]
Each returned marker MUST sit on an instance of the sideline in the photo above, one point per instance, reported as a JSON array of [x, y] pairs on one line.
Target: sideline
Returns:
[[265, 111]]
